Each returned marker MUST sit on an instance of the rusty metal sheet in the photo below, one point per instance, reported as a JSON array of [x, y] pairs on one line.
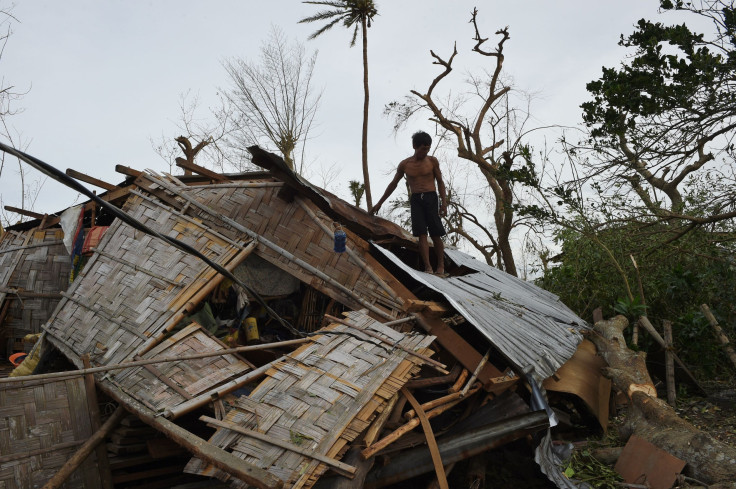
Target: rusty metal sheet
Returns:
[[581, 375], [642, 462]]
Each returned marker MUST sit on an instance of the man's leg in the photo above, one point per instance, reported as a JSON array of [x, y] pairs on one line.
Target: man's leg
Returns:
[[439, 249], [424, 252]]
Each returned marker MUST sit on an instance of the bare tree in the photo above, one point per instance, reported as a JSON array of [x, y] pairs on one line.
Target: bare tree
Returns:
[[9, 94], [209, 133], [491, 137], [273, 102]]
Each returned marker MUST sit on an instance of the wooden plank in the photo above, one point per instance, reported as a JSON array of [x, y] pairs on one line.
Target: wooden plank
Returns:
[[91, 180], [24, 212], [187, 165], [127, 171], [428, 307]]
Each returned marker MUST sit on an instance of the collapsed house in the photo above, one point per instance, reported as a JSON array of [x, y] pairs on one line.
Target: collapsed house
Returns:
[[269, 384]]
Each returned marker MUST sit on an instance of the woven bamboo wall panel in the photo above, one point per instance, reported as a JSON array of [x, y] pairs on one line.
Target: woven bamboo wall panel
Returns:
[[321, 399], [133, 285], [41, 266], [292, 229], [40, 428], [152, 385]]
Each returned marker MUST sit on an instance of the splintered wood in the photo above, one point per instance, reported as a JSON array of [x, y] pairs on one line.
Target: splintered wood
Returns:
[[41, 426], [320, 400]]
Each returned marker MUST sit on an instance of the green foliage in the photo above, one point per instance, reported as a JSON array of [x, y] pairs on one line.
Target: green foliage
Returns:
[[351, 13], [676, 278], [583, 467], [632, 309], [357, 190]]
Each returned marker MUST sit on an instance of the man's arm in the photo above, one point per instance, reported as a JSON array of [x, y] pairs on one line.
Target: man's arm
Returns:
[[440, 186], [389, 190]]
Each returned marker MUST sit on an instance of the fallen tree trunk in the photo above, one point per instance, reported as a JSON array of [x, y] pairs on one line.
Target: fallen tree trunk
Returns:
[[708, 459]]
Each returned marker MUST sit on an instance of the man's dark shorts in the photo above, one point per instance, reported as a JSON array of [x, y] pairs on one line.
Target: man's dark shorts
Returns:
[[425, 215]]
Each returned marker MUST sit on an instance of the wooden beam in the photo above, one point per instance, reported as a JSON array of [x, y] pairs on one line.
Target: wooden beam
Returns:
[[127, 171], [182, 163], [103, 463], [91, 180], [461, 350], [24, 212], [429, 307]]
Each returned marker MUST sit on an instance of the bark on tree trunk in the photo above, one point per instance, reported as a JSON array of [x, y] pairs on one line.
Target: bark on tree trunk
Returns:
[[364, 139], [708, 459]]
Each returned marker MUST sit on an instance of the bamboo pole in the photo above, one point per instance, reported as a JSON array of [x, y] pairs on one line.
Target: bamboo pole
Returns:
[[207, 397], [81, 455], [31, 294], [669, 363], [150, 361], [404, 429], [477, 370], [719, 333], [339, 467], [650, 329], [354, 256], [460, 381], [434, 363], [37, 245], [440, 401]]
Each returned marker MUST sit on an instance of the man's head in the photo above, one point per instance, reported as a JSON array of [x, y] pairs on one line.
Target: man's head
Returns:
[[420, 138]]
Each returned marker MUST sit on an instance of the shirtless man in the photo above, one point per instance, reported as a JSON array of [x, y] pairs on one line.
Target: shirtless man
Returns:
[[421, 171]]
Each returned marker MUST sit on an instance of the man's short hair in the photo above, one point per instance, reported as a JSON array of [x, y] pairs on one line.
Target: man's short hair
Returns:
[[421, 138]]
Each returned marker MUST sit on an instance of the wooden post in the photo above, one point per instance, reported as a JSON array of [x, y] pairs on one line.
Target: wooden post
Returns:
[[80, 455], [658, 338], [719, 333], [669, 363], [103, 464]]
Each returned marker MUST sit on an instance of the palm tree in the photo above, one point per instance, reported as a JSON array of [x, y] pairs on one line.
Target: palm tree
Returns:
[[352, 13]]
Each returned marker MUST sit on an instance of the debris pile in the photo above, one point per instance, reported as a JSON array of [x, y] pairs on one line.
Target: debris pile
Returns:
[[239, 331]]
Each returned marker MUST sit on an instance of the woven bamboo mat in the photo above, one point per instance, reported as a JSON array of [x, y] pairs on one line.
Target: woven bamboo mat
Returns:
[[320, 400], [41, 266], [165, 385], [41, 426], [288, 226], [129, 290]]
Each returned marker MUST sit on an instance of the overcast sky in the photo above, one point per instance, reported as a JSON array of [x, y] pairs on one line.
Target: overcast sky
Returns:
[[105, 76]]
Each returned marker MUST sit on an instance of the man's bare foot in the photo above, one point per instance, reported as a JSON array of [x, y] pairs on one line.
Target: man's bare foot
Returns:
[[428, 270]]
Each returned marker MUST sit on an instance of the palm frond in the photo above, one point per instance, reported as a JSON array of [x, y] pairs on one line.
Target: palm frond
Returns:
[[324, 15], [324, 28]]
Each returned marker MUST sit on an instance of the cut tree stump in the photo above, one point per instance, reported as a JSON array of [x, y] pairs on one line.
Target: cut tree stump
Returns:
[[652, 419]]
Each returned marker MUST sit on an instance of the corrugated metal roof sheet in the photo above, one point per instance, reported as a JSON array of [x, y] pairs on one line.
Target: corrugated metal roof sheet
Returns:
[[528, 325]]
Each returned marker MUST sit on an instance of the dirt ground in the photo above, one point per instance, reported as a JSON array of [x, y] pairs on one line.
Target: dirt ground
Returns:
[[714, 414]]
